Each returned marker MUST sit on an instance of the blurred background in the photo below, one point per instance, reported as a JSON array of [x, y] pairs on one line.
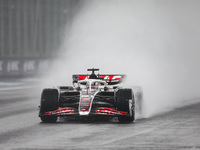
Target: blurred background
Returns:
[[31, 33]]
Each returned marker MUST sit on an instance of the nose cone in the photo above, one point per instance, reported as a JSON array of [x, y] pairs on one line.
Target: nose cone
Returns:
[[85, 105]]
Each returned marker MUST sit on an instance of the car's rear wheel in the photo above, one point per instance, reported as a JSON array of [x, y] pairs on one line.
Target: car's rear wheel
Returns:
[[49, 102], [125, 102]]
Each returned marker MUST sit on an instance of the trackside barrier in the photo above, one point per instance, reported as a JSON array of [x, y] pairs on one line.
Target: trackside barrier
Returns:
[[23, 66]]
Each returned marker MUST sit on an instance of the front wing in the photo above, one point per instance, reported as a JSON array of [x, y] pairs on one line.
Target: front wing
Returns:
[[70, 111]]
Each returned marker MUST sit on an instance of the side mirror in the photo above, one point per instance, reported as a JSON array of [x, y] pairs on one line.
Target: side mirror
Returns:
[[105, 88], [75, 84], [115, 87], [78, 88]]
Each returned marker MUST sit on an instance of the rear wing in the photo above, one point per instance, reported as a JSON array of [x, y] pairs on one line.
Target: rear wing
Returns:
[[110, 79]]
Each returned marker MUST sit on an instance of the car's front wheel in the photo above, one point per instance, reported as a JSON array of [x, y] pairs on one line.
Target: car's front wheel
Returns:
[[49, 102], [125, 102]]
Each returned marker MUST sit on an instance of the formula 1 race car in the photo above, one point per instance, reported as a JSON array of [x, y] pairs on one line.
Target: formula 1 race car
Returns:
[[92, 95]]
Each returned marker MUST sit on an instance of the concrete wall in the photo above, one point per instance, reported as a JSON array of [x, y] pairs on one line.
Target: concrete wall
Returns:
[[34, 28], [31, 32]]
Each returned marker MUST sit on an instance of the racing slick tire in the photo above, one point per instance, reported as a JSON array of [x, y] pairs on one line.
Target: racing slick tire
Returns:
[[123, 97], [49, 102]]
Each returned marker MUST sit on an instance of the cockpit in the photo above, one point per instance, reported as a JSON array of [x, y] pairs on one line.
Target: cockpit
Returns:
[[91, 84]]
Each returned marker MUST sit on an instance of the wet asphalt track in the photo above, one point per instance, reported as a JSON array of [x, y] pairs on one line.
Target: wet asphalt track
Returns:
[[20, 128]]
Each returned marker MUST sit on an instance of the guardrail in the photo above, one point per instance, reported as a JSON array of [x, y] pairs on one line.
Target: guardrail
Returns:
[[23, 66]]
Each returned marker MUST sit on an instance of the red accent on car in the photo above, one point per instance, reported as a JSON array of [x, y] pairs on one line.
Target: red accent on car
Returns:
[[107, 78], [82, 77], [61, 111], [109, 111]]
